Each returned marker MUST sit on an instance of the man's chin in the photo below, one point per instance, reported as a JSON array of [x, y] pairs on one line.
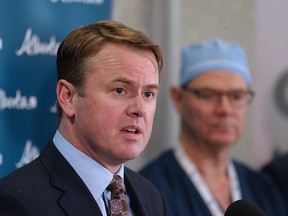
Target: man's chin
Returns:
[[224, 141]]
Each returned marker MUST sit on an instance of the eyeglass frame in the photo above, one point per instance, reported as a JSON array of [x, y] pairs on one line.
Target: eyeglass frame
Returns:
[[249, 93]]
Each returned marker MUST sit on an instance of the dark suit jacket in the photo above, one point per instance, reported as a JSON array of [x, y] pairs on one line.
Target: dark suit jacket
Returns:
[[49, 186]]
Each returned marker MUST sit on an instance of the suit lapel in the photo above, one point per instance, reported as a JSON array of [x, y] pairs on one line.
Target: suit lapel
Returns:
[[134, 190], [76, 199]]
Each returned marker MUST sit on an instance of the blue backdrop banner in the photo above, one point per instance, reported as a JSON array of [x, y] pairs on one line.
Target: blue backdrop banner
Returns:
[[30, 33]]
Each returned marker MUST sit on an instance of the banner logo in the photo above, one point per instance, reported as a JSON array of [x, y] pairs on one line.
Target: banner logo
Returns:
[[19, 102], [32, 45], [53, 109], [93, 2], [30, 153]]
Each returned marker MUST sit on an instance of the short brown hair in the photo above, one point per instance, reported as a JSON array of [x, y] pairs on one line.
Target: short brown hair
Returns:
[[84, 41]]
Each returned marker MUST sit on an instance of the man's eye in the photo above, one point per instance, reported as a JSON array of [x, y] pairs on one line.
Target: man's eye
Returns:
[[148, 94], [206, 94], [237, 95], [119, 90]]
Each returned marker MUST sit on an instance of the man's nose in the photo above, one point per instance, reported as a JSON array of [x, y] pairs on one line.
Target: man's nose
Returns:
[[137, 106], [224, 103]]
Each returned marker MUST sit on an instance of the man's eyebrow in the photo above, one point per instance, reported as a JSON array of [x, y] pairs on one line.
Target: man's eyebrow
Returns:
[[128, 81], [152, 86], [122, 79]]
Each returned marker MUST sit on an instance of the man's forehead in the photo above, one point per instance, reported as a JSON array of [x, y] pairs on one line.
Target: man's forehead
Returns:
[[226, 78]]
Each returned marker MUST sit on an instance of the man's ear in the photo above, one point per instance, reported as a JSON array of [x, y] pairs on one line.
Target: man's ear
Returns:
[[65, 92], [176, 96]]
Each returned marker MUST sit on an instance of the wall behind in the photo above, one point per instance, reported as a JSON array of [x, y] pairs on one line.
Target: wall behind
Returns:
[[271, 81]]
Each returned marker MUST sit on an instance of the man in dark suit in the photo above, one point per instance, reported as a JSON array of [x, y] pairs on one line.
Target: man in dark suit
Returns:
[[108, 80]]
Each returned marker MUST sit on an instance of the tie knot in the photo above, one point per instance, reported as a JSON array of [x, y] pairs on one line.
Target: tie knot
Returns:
[[117, 185]]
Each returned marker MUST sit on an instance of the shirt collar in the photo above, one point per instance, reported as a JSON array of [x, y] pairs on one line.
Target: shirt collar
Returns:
[[95, 176]]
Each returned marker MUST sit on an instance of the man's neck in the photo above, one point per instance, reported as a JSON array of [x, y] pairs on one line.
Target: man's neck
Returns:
[[213, 167], [210, 162]]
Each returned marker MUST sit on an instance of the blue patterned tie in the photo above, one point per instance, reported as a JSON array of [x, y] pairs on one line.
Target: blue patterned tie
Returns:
[[118, 205]]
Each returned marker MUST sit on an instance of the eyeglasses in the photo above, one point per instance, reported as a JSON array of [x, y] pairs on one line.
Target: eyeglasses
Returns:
[[237, 98]]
